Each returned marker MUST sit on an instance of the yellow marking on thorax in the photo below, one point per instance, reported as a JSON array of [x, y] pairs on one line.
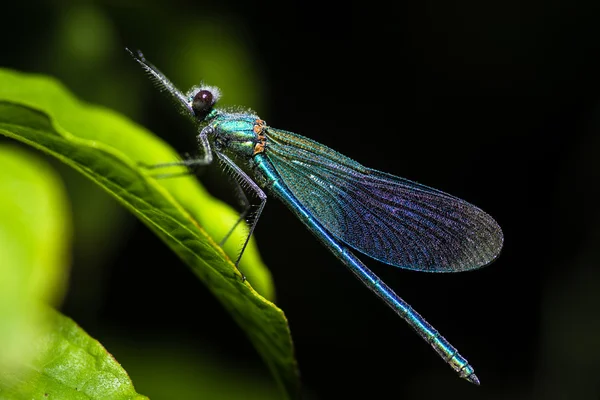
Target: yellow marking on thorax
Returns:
[[259, 129]]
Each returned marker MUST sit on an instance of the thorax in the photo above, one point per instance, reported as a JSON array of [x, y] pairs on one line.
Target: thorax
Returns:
[[238, 134]]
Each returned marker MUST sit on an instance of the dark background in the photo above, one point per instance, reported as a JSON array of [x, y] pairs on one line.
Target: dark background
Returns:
[[496, 103]]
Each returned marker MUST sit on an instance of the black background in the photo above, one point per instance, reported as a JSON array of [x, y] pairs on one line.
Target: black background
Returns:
[[496, 103]]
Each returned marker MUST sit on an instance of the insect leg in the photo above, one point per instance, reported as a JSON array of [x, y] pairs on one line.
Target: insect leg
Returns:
[[206, 159], [246, 206], [245, 181]]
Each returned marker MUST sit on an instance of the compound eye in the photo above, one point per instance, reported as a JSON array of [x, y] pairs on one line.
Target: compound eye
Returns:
[[202, 103]]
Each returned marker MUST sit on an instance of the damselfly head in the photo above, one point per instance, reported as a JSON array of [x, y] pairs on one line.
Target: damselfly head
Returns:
[[202, 100], [198, 102]]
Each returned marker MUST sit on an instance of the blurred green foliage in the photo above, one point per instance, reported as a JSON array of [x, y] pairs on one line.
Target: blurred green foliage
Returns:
[[42, 353], [174, 372], [35, 233]]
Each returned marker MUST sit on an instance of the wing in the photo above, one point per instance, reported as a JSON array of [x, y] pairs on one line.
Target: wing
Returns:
[[388, 218]]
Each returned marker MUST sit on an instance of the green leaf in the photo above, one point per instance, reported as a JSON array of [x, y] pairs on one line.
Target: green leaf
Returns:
[[35, 232], [68, 364], [108, 148], [42, 353]]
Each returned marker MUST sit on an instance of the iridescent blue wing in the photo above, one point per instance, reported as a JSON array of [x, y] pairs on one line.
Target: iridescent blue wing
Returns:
[[388, 218]]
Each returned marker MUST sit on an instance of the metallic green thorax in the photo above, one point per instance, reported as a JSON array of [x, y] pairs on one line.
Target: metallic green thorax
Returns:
[[236, 134]]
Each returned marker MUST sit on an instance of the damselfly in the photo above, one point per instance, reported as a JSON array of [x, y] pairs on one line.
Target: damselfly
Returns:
[[344, 204]]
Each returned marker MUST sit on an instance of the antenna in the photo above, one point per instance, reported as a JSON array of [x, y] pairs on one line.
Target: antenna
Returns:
[[162, 82]]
